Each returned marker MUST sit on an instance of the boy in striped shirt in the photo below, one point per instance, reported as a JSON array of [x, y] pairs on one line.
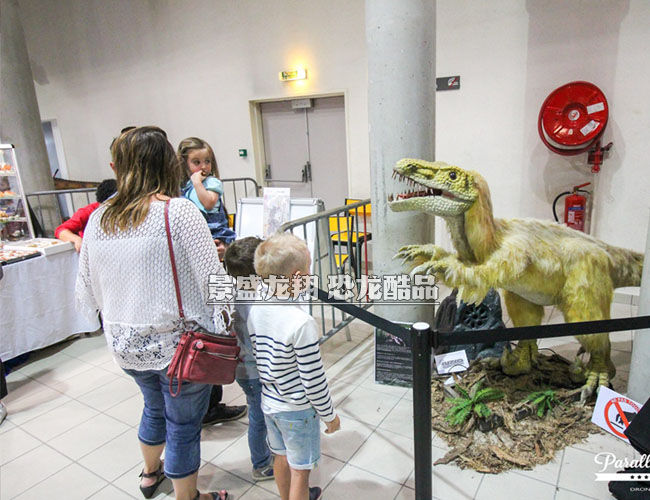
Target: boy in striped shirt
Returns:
[[295, 392]]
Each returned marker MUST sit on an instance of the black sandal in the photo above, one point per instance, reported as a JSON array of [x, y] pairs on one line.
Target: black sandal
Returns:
[[148, 491], [216, 495]]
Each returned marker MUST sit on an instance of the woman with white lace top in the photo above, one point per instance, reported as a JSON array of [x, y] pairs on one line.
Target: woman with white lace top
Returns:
[[125, 273]]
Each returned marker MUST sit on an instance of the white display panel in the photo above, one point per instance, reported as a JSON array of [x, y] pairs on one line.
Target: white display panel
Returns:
[[250, 216]]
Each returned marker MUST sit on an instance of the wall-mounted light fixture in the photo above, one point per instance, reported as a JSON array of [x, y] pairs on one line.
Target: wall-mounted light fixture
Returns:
[[293, 74]]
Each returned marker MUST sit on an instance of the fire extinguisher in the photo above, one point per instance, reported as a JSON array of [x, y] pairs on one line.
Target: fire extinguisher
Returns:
[[575, 207]]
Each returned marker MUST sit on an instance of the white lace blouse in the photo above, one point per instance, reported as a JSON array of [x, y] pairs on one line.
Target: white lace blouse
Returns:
[[128, 277]]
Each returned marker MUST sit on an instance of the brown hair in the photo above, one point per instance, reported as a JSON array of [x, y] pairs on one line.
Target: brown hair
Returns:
[[188, 145], [145, 165], [240, 256]]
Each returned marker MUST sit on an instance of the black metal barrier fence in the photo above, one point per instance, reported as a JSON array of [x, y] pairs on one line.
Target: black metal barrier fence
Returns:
[[422, 339]]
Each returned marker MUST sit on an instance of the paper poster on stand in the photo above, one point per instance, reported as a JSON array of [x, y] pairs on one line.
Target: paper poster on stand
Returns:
[[277, 205]]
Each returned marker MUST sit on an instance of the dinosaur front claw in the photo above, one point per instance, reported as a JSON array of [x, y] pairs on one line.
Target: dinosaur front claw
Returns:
[[429, 267], [420, 253]]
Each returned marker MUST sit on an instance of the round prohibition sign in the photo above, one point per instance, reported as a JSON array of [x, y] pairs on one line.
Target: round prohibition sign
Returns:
[[618, 413]]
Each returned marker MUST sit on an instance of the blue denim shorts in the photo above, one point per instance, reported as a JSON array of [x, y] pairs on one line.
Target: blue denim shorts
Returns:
[[173, 421], [295, 434]]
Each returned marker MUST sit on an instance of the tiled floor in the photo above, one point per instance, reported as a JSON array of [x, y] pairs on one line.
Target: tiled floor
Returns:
[[73, 416]]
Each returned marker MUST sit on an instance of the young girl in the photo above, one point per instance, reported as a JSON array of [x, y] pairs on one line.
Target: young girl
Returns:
[[202, 187]]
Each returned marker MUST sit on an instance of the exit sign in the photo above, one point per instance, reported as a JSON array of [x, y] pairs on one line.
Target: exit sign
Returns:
[[293, 74]]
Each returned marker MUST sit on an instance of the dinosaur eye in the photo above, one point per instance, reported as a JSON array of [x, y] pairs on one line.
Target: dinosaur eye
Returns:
[[453, 175]]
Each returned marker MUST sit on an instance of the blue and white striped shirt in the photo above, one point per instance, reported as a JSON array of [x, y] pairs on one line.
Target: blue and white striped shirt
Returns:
[[285, 343]]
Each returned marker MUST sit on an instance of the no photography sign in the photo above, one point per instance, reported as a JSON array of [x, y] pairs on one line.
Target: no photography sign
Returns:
[[614, 412]]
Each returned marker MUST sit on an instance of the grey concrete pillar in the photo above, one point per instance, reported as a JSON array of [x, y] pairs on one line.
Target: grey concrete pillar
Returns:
[[638, 387], [401, 42], [20, 120]]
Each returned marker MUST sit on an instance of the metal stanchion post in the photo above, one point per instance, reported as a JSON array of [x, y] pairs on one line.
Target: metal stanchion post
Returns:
[[421, 347]]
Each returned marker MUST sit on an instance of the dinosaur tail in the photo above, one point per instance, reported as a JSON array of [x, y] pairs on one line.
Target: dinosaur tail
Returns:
[[626, 267]]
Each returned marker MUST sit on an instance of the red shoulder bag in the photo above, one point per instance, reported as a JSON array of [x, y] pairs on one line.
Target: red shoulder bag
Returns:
[[199, 357]]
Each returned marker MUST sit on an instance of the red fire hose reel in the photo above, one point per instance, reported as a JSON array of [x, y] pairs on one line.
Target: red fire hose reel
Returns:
[[572, 120]]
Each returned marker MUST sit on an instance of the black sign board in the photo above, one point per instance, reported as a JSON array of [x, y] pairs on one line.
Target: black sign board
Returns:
[[393, 359], [448, 83]]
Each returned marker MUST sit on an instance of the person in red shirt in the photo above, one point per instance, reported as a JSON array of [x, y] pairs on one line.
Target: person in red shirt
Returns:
[[73, 229]]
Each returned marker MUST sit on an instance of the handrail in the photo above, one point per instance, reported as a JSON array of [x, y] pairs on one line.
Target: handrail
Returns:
[[235, 179], [321, 215], [335, 253], [68, 199], [62, 191], [90, 189]]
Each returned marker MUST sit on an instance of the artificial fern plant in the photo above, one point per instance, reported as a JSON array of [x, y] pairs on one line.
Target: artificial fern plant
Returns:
[[472, 402], [543, 400]]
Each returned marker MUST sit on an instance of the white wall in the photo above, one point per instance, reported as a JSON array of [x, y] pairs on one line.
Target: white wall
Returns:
[[192, 67], [510, 55]]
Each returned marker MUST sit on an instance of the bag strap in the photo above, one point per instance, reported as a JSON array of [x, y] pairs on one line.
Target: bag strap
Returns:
[[176, 363], [173, 262], [176, 367]]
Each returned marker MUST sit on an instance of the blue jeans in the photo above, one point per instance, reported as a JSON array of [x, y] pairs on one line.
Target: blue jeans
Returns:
[[260, 453], [295, 434], [174, 421]]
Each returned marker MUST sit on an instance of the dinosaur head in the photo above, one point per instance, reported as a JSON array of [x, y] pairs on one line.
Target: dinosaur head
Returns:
[[433, 187]]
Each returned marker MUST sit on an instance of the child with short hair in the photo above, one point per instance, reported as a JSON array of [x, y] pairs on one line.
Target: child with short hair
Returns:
[[239, 260], [202, 187], [295, 392], [72, 230]]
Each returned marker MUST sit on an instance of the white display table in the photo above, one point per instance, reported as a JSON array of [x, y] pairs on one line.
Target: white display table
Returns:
[[37, 306]]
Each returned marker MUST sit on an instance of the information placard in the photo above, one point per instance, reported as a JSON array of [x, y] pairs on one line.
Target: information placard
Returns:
[[393, 359]]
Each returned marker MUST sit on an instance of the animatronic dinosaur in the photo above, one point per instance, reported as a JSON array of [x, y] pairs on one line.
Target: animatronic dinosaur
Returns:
[[535, 263]]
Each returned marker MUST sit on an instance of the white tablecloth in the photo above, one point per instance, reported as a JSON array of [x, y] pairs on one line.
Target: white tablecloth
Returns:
[[37, 304]]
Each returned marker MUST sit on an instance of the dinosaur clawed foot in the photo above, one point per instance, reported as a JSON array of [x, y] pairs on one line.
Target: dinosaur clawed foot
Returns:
[[598, 371], [592, 376], [593, 383], [521, 359]]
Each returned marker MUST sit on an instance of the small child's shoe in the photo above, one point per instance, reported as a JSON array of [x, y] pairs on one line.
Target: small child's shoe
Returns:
[[315, 493], [263, 473]]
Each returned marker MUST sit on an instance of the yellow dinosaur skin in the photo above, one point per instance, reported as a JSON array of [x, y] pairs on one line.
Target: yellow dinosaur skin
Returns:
[[535, 263]]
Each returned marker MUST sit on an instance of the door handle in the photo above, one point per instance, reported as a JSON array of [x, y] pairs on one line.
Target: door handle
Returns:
[[306, 172], [267, 172]]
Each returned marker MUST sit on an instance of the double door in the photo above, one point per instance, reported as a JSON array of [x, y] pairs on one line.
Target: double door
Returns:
[[305, 148]]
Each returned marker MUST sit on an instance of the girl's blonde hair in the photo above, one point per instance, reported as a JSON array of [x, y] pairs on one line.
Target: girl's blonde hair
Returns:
[[281, 255], [145, 165], [185, 147]]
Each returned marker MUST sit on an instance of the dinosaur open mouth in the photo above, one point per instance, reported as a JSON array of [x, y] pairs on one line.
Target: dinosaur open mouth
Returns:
[[416, 190]]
